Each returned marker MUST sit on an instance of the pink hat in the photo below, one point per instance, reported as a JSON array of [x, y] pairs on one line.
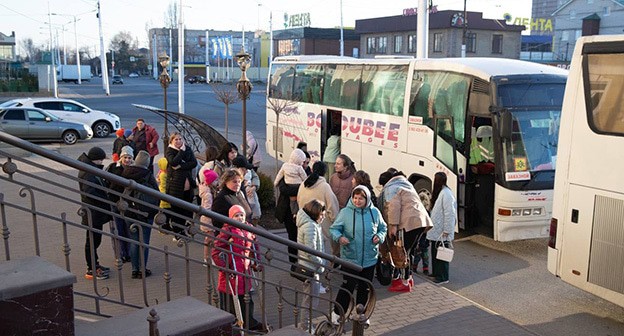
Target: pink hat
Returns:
[[236, 209], [210, 176]]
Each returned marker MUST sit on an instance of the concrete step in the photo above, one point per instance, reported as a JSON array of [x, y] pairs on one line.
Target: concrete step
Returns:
[[184, 316]]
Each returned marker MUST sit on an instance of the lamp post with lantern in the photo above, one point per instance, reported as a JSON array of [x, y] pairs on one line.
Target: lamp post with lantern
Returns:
[[165, 79], [244, 89]]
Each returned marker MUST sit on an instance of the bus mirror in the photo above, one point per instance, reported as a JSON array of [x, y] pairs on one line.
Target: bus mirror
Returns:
[[505, 122]]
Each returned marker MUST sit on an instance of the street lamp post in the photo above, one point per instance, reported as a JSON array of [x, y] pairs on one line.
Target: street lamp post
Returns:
[[244, 89], [165, 79]]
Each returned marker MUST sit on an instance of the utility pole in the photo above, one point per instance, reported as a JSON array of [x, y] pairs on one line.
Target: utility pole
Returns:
[[77, 52], [463, 48], [102, 53], [54, 83], [180, 60], [422, 41], [341, 32]]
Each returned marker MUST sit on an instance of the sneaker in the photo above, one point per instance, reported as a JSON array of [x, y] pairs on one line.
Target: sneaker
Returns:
[[125, 259], [440, 282], [410, 281], [396, 283], [98, 274], [103, 269], [335, 318], [322, 289], [139, 274], [205, 264], [401, 288], [366, 324]]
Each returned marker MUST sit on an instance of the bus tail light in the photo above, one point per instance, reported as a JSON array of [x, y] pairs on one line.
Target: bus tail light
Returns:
[[504, 212], [553, 233]]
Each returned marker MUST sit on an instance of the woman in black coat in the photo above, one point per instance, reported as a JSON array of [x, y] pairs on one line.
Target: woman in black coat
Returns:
[[180, 181], [230, 194], [284, 215]]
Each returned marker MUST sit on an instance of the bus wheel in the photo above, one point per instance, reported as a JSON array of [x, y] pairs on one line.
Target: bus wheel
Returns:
[[423, 188]]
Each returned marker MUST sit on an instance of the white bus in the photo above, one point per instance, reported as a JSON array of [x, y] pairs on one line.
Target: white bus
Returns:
[[586, 246], [423, 116]]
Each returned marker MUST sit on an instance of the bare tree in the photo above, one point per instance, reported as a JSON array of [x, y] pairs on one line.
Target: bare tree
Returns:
[[171, 16], [117, 41], [30, 49], [228, 95], [279, 107]]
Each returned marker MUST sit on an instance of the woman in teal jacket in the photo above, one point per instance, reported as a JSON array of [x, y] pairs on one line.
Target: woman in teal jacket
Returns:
[[359, 229]]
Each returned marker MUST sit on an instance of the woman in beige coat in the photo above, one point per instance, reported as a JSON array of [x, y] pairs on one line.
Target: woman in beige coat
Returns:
[[315, 187]]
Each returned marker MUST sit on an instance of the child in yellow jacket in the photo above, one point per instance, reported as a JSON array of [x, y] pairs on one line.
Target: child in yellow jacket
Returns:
[[161, 178]]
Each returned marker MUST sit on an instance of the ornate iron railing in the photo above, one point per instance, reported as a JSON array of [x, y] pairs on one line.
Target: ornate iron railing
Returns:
[[40, 212]]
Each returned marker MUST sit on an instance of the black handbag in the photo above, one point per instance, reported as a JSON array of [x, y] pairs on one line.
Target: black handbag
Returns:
[[383, 271], [301, 273]]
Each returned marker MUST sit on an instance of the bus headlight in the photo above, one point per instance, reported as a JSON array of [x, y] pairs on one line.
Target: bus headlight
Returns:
[[516, 212], [537, 211]]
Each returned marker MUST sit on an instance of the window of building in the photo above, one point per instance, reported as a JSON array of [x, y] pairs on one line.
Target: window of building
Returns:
[[565, 35], [411, 44], [471, 42], [371, 45], [398, 44], [589, 2], [606, 10], [572, 14], [579, 33], [437, 42], [6, 52], [288, 47], [497, 44], [377, 45], [383, 45]]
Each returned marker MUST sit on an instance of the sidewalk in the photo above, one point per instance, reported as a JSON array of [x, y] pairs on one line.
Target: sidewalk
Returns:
[[428, 310]]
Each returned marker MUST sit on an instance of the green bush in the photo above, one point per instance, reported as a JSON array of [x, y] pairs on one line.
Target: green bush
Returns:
[[266, 193]]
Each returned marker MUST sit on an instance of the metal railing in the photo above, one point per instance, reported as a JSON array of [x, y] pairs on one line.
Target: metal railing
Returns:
[[40, 212]]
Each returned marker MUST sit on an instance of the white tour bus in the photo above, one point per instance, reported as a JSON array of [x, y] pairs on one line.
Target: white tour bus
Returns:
[[423, 116], [586, 246]]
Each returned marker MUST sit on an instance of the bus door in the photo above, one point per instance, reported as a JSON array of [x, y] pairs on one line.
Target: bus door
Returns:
[[329, 120], [444, 149], [480, 179]]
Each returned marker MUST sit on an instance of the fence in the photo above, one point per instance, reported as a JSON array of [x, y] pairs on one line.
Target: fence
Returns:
[[41, 212]]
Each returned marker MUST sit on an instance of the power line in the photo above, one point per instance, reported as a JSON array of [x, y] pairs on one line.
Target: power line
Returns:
[[24, 15]]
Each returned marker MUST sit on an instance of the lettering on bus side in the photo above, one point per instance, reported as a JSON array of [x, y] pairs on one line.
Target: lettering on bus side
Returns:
[[363, 129]]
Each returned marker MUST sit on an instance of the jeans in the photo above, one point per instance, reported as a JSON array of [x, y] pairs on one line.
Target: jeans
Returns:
[[122, 231], [348, 286], [135, 248]]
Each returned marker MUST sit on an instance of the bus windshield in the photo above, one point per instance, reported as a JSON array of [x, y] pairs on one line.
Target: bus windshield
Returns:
[[532, 147]]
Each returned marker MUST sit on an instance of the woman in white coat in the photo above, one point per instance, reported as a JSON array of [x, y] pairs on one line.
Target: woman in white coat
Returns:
[[444, 218]]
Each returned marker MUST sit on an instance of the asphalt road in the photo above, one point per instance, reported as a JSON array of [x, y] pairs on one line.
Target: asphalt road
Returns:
[[508, 278]]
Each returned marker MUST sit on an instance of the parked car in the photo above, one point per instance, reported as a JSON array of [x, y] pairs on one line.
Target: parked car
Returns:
[[197, 79], [117, 79], [133, 75], [103, 123], [31, 123]]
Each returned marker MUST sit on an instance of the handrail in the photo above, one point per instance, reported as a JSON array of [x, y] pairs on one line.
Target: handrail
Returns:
[[17, 142]]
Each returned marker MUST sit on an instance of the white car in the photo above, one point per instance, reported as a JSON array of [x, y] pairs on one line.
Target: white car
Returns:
[[103, 123]]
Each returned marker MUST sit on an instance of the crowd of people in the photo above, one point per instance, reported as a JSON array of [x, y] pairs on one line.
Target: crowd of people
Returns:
[[323, 207]]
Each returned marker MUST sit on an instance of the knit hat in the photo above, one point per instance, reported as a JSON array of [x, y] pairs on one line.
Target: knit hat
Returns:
[[120, 132], [241, 162], [126, 150], [210, 176], [96, 153], [127, 133], [142, 159], [236, 209]]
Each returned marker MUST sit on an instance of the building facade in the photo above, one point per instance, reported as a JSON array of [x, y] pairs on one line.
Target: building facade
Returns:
[[577, 18], [314, 41], [396, 35], [221, 51], [7, 48]]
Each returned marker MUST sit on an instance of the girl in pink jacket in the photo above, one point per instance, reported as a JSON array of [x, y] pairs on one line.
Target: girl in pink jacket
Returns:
[[235, 251]]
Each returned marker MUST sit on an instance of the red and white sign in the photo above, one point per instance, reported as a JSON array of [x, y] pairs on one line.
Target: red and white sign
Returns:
[[517, 176]]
